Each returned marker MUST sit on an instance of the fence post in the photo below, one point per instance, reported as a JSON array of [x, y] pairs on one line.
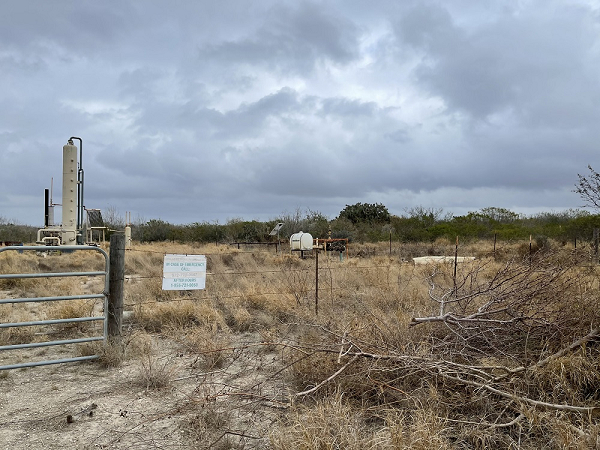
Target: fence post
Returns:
[[116, 280], [316, 281], [455, 264], [596, 244]]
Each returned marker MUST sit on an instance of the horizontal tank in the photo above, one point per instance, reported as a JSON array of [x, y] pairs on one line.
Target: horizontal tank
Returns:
[[301, 241]]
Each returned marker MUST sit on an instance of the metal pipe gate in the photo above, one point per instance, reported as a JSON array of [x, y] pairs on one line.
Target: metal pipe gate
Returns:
[[103, 295]]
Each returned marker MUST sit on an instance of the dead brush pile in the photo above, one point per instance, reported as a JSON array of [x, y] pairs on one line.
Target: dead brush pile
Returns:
[[504, 355]]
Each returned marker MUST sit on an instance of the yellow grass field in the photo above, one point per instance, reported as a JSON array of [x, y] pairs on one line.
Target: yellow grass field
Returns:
[[388, 355]]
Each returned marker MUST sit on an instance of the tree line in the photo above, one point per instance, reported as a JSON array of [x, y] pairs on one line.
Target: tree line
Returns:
[[373, 223], [361, 222]]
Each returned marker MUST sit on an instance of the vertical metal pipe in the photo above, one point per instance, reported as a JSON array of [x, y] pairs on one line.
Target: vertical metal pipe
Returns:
[[455, 264], [79, 191], [46, 207], [317, 281]]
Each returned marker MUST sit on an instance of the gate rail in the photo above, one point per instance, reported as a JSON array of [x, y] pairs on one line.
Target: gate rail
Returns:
[[103, 295]]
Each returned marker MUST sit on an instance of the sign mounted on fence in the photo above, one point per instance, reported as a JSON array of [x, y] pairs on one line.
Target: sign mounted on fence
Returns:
[[183, 272]]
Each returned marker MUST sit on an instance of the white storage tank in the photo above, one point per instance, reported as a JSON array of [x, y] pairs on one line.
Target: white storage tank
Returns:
[[127, 236], [69, 194], [301, 241]]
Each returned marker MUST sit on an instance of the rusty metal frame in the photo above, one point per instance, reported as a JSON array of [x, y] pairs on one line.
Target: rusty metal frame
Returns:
[[319, 241]]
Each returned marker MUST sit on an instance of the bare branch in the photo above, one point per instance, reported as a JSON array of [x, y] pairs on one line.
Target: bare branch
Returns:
[[522, 399], [588, 188], [324, 382]]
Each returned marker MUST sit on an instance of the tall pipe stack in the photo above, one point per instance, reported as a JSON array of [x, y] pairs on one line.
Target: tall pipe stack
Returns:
[[69, 195]]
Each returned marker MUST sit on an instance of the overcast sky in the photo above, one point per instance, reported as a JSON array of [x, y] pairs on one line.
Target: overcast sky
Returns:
[[196, 111]]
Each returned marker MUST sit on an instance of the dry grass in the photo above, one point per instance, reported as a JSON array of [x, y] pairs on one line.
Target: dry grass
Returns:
[[334, 423], [212, 348], [374, 380]]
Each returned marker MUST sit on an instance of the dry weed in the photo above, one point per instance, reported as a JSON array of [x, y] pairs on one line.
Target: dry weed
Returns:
[[335, 423], [330, 424], [155, 372], [17, 335], [240, 319], [71, 309], [155, 317], [213, 348], [206, 426], [110, 355]]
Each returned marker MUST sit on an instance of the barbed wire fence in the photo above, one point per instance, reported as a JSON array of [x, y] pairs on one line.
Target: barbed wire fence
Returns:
[[338, 353], [298, 282]]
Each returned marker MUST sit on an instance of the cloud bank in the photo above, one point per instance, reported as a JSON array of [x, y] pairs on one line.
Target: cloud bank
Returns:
[[204, 111]]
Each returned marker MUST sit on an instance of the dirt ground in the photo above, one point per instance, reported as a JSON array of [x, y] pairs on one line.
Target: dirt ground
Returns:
[[85, 406]]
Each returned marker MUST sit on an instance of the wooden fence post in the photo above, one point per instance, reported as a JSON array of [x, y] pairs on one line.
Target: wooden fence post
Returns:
[[116, 280]]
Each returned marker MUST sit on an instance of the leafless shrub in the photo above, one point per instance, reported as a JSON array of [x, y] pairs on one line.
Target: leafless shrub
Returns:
[[211, 347], [499, 349], [155, 373], [516, 310], [205, 427], [296, 279]]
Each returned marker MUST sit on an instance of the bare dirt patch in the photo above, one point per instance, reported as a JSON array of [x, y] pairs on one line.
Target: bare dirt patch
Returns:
[[83, 405]]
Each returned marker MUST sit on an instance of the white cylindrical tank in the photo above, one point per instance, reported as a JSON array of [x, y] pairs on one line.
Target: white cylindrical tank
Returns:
[[127, 236], [69, 195], [301, 241], [51, 216]]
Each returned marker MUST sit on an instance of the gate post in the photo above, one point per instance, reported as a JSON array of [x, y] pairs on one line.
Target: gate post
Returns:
[[116, 280]]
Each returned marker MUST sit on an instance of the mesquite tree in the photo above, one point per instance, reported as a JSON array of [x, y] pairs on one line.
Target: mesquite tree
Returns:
[[588, 188]]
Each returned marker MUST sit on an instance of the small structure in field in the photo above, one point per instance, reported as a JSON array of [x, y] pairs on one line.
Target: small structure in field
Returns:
[[441, 259]]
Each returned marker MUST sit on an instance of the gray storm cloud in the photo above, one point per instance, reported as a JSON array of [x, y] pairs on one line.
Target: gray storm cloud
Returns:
[[204, 111]]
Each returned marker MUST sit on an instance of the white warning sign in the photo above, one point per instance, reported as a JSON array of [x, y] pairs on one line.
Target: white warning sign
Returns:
[[183, 272]]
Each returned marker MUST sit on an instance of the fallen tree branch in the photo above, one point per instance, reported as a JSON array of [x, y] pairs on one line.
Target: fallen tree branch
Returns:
[[322, 383], [562, 352], [507, 424], [530, 401]]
